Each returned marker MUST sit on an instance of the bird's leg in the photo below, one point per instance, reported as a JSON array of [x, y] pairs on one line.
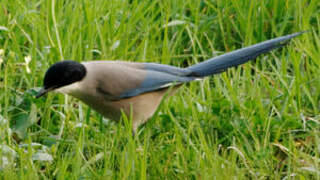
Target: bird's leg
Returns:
[[134, 128]]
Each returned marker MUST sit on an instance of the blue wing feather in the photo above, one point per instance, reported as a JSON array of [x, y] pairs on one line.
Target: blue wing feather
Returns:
[[167, 69], [156, 80]]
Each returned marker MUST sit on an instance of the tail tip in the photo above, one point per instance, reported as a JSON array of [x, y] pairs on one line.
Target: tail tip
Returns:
[[301, 32]]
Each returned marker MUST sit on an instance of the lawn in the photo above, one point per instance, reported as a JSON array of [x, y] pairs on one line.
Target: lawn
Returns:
[[257, 121]]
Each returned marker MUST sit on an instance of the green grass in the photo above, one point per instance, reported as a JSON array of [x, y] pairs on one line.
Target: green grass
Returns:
[[257, 121]]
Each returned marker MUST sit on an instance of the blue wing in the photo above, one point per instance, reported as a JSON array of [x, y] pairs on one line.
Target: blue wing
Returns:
[[156, 80]]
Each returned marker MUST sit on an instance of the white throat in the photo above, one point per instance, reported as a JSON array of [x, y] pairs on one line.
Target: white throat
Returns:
[[69, 89]]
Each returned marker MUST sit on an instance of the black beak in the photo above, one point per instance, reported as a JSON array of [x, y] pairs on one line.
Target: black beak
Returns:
[[43, 91]]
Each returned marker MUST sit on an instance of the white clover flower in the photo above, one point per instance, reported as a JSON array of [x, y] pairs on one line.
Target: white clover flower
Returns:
[[27, 60], [1, 56]]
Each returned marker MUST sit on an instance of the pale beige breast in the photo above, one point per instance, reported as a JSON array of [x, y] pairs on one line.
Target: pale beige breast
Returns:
[[140, 108]]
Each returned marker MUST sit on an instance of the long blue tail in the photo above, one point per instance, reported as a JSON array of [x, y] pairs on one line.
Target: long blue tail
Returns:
[[220, 63]]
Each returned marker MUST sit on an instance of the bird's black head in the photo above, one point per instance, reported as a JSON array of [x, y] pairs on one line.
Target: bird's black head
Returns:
[[61, 74]]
